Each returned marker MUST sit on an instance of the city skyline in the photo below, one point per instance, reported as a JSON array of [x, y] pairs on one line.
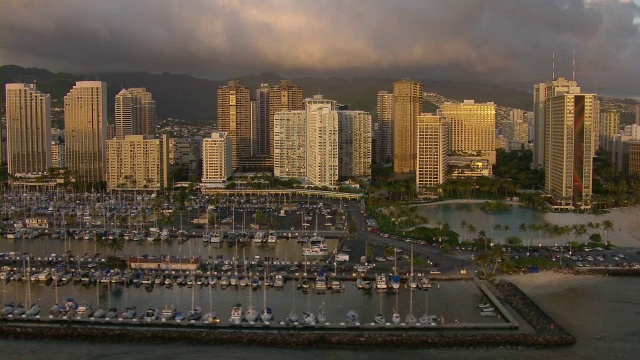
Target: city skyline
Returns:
[[506, 42]]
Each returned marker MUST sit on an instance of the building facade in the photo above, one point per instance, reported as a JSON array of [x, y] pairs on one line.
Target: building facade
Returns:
[[432, 147], [261, 138], [472, 129], [234, 118], [407, 105], [354, 144], [216, 159], [186, 153], [609, 126], [285, 96], [138, 162], [384, 107], [542, 92], [28, 129], [569, 149], [135, 113], [289, 145], [85, 122], [322, 141]]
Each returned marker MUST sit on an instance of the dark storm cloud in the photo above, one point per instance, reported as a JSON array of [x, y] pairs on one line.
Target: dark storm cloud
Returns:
[[508, 41]]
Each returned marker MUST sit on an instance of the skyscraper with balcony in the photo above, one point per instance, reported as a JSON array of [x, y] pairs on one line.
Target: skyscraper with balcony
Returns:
[[261, 127], [216, 158], [285, 96], [234, 118], [289, 145], [472, 129], [138, 162], [354, 144], [432, 147], [384, 141], [85, 121], [322, 141], [28, 121], [569, 148], [542, 92], [135, 113], [407, 105]]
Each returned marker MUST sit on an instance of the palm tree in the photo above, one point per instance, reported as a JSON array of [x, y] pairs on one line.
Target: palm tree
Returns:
[[607, 225]]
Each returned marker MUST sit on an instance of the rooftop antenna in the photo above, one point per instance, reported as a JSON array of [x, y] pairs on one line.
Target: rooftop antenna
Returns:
[[574, 64], [553, 65]]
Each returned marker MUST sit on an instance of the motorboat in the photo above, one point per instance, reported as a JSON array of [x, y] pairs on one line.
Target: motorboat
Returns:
[[309, 318], [258, 238], [225, 281], [429, 320], [19, 310], [487, 309], [315, 250], [179, 316], [395, 282], [293, 317], [194, 314], [7, 309], [336, 286], [425, 283], [412, 282], [168, 313], [151, 314], [488, 313], [484, 305], [236, 314], [379, 319], [321, 281], [84, 311], [278, 280], [272, 238], [381, 282], [352, 317]]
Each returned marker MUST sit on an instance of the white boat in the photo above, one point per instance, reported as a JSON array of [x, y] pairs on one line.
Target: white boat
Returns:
[[168, 313], [352, 317], [112, 313], [395, 318], [425, 283], [336, 286], [278, 280], [266, 315], [236, 314], [272, 238], [164, 235], [258, 238], [484, 305], [412, 282], [395, 281], [381, 282], [7, 309], [151, 314], [216, 237], [488, 313], [410, 319], [210, 318], [379, 319], [321, 281], [309, 318], [19, 310], [225, 281], [322, 316], [100, 313], [84, 311], [293, 317], [128, 314], [315, 250], [487, 309]]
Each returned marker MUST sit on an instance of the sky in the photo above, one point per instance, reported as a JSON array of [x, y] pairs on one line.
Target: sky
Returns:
[[507, 42]]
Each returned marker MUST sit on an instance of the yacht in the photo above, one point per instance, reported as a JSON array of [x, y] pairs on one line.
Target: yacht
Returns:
[[381, 282], [321, 281], [278, 281], [315, 250], [84, 311], [258, 238], [168, 313], [236, 314], [216, 237], [272, 238]]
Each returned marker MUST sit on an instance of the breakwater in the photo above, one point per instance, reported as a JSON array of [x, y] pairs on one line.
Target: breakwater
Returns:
[[547, 332]]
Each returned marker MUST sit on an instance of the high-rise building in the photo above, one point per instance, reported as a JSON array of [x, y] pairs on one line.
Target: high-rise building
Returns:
[[283, 97], [28, 120], [138, 162], [354, 144], [261, 128], [186, 153], [135, 113], [322, 141], [407, 105], [58, 154], [85, 122], [542, 92], [234, 118], [216, 158], [569, 121], [432, 145], [638, 114], [608, 126], [472, 129], [384, 141], [289, 145]]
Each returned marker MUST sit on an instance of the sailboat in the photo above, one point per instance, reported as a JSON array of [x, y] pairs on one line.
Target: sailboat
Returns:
[[322, 316], [267, 314], [196, 311], [426, 319], [251, 315], [379, 318], [293, 316], [236, 314], [210, 317], [412, 282], [309, 317], [352, 317], [410, 319]]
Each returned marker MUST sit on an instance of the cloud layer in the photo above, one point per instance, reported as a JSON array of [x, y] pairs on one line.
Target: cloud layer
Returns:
[[503, 41]]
